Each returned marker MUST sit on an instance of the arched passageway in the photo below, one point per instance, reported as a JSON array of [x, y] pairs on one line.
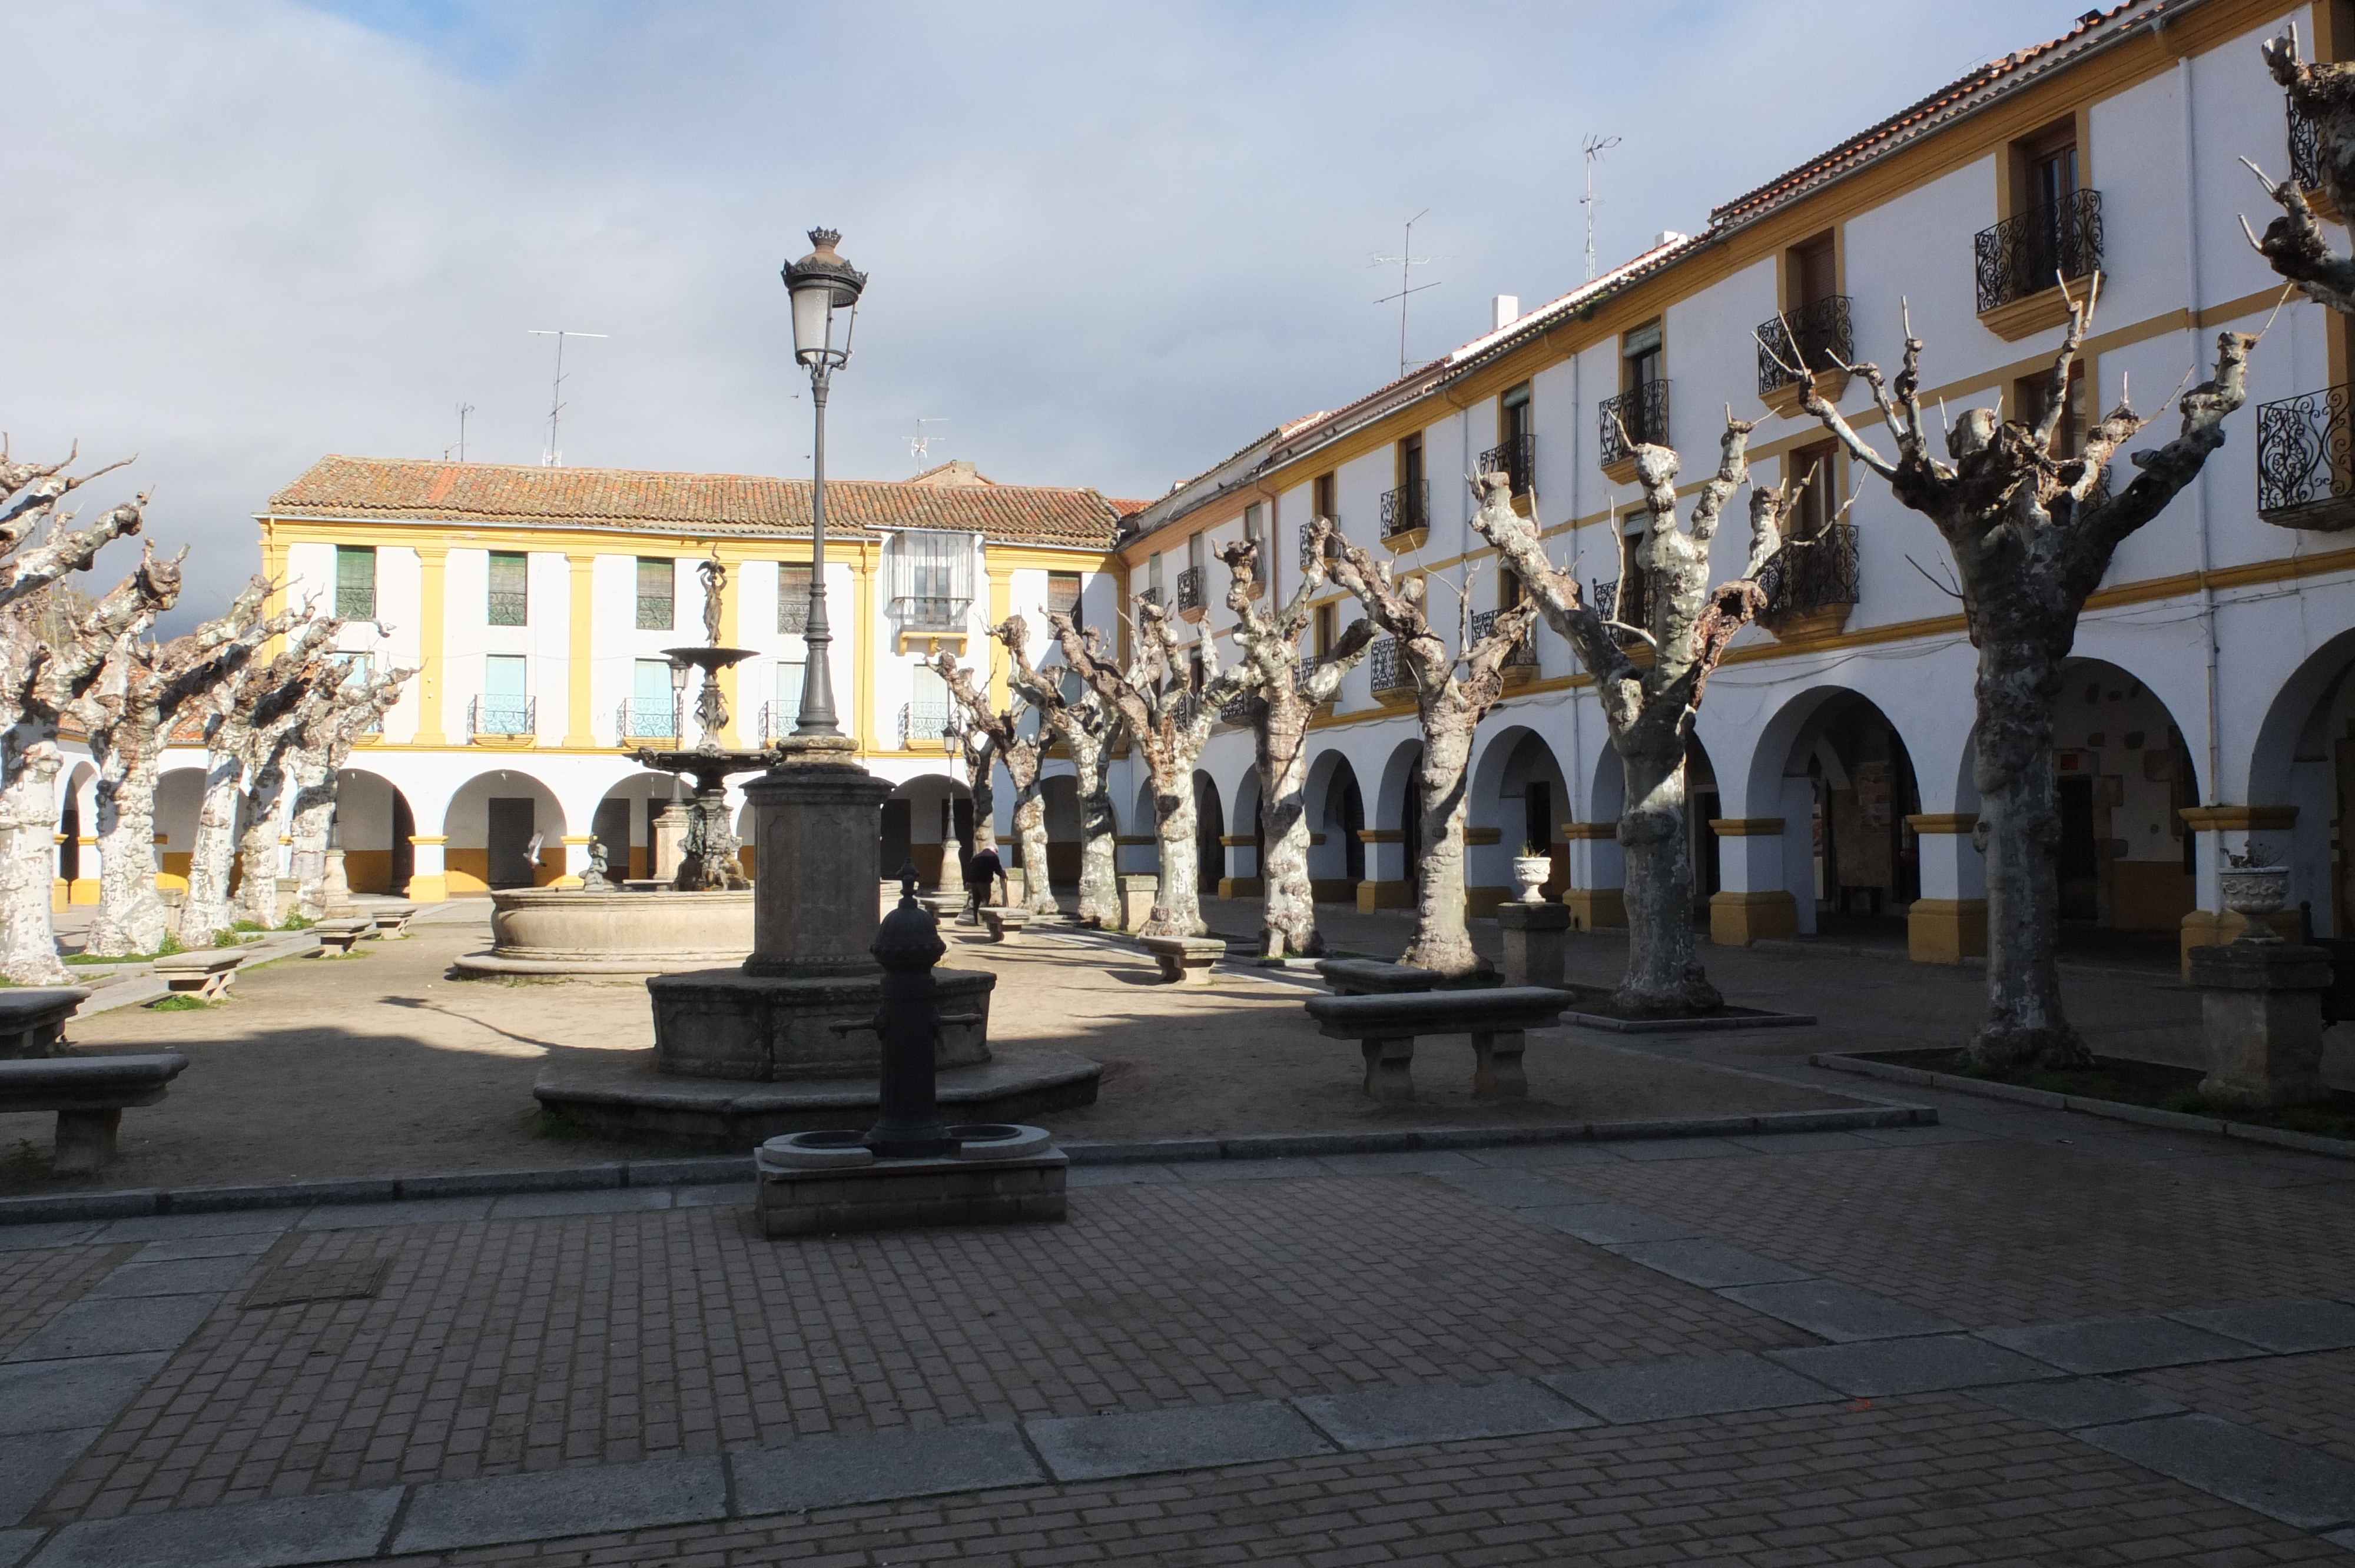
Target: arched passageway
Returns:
[[506, 828], [625, 824], [374, 826], [1209, 834], [2126, 855], [1337, 814], [921, 816], [1061, 793]]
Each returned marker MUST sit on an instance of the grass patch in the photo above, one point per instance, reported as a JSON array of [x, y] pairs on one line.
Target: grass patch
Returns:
[[109, 959], [172, 944], [2148, 1083], [177, 1002], [297, 923]]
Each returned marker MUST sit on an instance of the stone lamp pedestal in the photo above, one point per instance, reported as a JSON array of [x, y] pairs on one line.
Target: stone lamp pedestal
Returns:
[[1535, 936], [2261, 1010]]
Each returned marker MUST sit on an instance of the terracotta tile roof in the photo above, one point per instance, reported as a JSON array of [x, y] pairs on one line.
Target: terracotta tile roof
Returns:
[[492, 495], [1957, 98]]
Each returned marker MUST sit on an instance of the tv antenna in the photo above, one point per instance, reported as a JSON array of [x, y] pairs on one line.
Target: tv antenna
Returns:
[[553, 457], [464, 409], [1595, 146], [920, 445], [1407, 261]]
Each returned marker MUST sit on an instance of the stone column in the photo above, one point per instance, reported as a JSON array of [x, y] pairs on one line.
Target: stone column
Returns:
[[576, 861], [1243, 865], [59, 891], [668, 830], [1595, 897], [2260, 1011], [1534, 939], [1751, 902], [1948, 922], [1387, 884], [814, 911], [427, 882], [336, 888]]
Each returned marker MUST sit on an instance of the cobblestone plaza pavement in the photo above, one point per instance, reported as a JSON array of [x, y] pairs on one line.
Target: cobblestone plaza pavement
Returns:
[[2016, 1336]]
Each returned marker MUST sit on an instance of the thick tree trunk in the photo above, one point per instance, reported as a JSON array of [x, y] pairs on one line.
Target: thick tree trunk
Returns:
[[1288, 918], [312, 820], [1443, 942], [1176, 898], [2019, 798], [1030, 832], [1663, 976], [256, 857], [212, 857], [28, 942], [1099, 861], [131, 917]]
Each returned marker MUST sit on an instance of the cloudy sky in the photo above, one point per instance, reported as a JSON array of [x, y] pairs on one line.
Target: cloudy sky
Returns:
[[1108, 243]]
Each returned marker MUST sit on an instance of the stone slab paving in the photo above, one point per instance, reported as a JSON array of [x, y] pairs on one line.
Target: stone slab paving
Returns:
[[2302, 1399]]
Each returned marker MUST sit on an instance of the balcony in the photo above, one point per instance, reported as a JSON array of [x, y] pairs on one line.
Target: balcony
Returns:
[[777, 722], [2306, 166], [1520, 665], [1632, 608], [792, 612], [1150, 596], [924, 727], [1391, 677], [1814, 336], [501, 719], [2022, 261], [1516, 457], [1406, 515], [1189, 594], [2306, 461], [644, 722], [504, 608], [1811, 585], [657, 613], [1638, 417], [1308, 547], [926, 621], [1239, 710]]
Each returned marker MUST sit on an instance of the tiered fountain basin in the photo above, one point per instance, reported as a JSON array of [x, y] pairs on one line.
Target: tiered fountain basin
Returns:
[[552, 932]]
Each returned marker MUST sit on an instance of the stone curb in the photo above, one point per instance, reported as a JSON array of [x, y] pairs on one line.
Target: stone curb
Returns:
[[727, 1167], [2114, 1110]]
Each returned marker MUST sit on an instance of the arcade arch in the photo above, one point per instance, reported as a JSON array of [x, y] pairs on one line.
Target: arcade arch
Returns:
[[490, 823]]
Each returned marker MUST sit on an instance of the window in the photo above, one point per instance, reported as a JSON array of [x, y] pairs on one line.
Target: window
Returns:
[[1640, 360], [1324, 618], [505, 706], [1196, 679], [1194, 548], [788, 706], [1509, 592], [1515, 453], [1811, 271], [931, 580], [1406, 507], [2048, 159], [657, 583], [1817, 468], [510, 592], [648, 713], [1513, 413], [927, 716], [1063, 592], [1153, 580], [1639, 415], [1255, 524], [793, 599], [2052, 226], [1322, 503], [355, 582], [2030, 394]]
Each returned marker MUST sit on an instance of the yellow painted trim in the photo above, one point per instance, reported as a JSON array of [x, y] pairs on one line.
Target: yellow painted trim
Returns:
[[580, 729], [864, 724], [1001, 605], [731, 601], [433, 577]]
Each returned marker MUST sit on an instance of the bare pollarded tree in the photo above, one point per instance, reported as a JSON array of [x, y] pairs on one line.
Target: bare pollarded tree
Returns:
[[354, 707], [127, 717], [1021, 755], [1084, 726], [1649, 702], [2293, 243], [2031, 534], [1453, 693], [1287, 692], [245, 717], [1169, 719]]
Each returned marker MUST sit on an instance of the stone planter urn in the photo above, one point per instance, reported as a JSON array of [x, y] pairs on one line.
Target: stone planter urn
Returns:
[[2256, 893], [1530, 871]]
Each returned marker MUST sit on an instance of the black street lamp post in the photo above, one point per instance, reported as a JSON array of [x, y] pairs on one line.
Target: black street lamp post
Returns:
[[822, 284]]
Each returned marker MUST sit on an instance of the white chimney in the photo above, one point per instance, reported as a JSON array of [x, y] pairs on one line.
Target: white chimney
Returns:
[[1507, 309], [1669, 237]]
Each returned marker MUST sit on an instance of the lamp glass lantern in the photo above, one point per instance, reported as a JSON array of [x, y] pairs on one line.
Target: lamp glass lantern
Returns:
[[826, 290]]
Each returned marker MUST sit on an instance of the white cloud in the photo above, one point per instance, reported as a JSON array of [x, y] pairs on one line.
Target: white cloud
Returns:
[[1109, 243]]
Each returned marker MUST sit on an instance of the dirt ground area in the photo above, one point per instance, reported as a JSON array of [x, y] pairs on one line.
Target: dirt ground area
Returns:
[[383, 1065]]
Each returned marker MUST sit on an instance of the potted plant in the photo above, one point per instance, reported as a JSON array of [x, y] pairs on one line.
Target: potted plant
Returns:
[[2254, 887], [1532, 867]]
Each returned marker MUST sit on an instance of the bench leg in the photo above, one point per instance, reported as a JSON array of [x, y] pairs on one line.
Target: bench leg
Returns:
[[1194, 974], [1389, 1069], [1497, 1065], [1173, 971], [85, 1141]]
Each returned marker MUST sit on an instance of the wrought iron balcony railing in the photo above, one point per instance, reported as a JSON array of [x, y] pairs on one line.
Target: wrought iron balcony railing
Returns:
[[1628, 600], [1308, 547], [1150, 596], [509, 608], [1525, 651], [1635, 417], [1189, 589], [648, 721], [2034, 251], [1237, 711], [355, 603], [924, 724], [1516, 456], [1406, 509], [2306, 459], [792, 612], [656, 612], [1812, 574], [1813, 335], [930, 613], [1309, 664], [1388, 671], [2304, 151], [777, 722], [499, 716]]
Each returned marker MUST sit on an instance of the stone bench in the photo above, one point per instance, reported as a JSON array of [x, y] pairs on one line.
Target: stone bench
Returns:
[[1185, 961], [204, 974], [33, 1018], [1371, 977], [88, 1095], [1385, 1028], [342, 936], [392, 921], [1005, 925]]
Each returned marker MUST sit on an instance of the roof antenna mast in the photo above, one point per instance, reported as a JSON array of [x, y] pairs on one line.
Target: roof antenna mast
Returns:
[[1595, 147], [920, 445], [464, 409], [1407, 261], [553, 457]]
